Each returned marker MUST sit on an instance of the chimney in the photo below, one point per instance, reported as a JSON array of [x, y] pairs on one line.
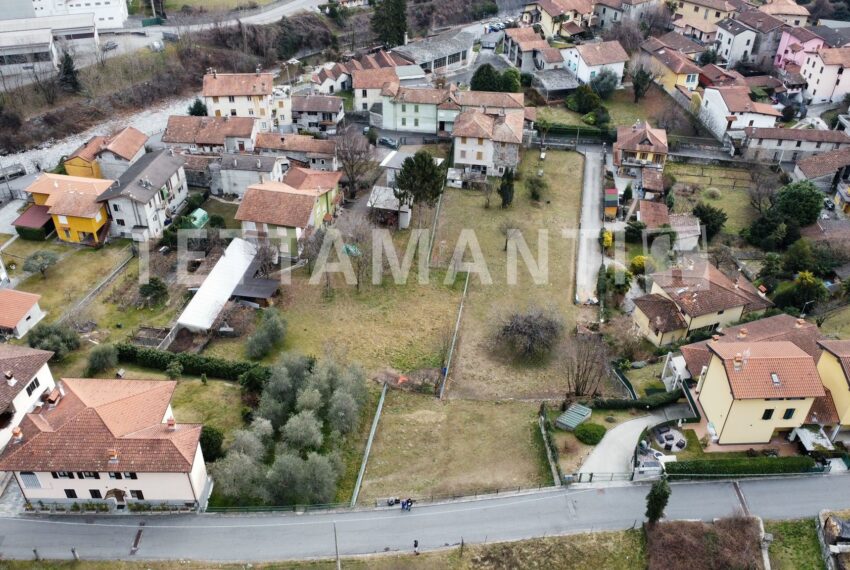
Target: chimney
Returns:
[[10, 378], [677, 273], [113, 455], [742, 333], [257, 70], [172, 424], [739, 362], [799, 324], [715, 337], [17, 435]]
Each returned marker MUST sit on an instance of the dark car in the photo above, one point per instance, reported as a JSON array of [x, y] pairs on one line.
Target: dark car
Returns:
[[828, 204], [109, 46], [388, 142]]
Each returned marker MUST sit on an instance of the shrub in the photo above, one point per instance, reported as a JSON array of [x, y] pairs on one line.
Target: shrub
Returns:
[[216, 221], [590, 434], [174, 369], [211, 442], [31, 234], [268, 335], [531, 334], [713, 194], [60, 339], [40, 262], [102, 357], [153, 292], [739, 466], [642, 264], [303, 431], [646, 403], [194, 364]]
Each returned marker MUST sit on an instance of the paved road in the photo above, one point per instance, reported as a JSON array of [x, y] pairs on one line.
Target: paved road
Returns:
[[589, 253], [280, 537]]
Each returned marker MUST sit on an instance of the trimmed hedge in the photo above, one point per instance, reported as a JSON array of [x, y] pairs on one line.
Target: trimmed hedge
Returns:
[[646, 403], [590, 434], [195, 364], [739, 466], [31, 234]]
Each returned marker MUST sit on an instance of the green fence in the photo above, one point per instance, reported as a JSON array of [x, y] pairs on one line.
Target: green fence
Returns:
[[152, 22], [694, 408]]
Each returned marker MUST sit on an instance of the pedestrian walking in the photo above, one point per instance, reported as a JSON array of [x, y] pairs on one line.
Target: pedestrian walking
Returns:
[[404, 505], [416, 547]]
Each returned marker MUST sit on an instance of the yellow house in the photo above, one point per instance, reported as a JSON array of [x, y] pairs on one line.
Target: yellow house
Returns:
[[640, 145], [83, 161], [698, 18], [751, 391], [556, 18], [834, 369], [72, 204], [674, 70]]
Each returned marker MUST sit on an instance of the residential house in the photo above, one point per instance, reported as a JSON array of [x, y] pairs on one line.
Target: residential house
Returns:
[[287, 211], [610, 13], [146, 197], [752, 37], [828, 171], [698, 19], [656, 217], [332, 78], [834, 369], [301, 150], [445, 53], [368, 84], [727, 111], [794, 46], [317, 113], [640, 146], [588, 60], [251, 95], [26, 378], [238, 171], [712, 75], [210, 135], [698, 297], [83, 161], [789, 11], [19, 312], [674, 71], [110, 441], [790, 145], [753, 390], [487, 144], [71, 202], [520, 47], [547, 59], [676, 42], [825, 77], [107, 157], [559, 18]]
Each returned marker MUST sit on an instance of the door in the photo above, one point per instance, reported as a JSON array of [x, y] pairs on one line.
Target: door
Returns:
[[241, 145]]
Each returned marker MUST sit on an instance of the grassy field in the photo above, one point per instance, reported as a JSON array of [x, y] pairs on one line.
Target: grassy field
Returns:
[[646, 377], [478, 372], [795, 545], [223, 209], [17, 252], [732, 184], [424, 447], [838, 323]]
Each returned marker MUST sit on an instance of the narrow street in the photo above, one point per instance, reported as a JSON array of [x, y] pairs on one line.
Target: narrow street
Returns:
[[589, 254]]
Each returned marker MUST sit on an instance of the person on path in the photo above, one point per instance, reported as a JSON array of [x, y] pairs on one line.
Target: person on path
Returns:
[[416, 547]]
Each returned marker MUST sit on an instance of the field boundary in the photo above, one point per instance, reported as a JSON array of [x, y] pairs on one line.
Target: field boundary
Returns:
[[368, 449], [454, 339]]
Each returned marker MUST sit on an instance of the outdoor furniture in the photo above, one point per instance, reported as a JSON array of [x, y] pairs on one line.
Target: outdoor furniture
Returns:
[[660, 439], [669, 437], [681, 444], [663, 429], [668, 446]]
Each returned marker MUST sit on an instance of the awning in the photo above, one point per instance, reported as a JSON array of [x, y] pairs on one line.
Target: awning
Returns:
[[34, 217]]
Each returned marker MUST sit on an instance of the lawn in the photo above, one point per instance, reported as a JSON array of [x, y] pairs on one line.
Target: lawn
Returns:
[[17, 252], [217, 404], [347, 99], [647, 377], [572, 452], [73, 276], [838, 323], [224, 209], [425, 447], [624, 111], [732, 183], [795, 545], [478, 372]]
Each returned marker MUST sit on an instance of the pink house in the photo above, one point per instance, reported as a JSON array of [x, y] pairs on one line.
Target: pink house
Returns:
[[794, 45]]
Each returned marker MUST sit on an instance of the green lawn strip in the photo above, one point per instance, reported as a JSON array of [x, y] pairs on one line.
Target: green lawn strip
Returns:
[[224, 209], [795, 545]]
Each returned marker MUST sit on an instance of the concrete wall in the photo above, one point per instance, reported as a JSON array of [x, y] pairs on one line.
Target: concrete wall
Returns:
[[33, 316], [787, 150]]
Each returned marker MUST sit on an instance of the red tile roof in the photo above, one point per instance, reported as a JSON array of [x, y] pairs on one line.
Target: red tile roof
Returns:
[[653, 214], [702, 289], [662, 313], [237, 84], [14, 305]]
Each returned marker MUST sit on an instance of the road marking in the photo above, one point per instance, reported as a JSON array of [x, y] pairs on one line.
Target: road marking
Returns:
[[136, 542], [741, 498]]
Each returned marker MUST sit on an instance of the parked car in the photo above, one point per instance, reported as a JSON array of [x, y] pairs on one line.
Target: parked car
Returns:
[[109, 46], [388, 142], [11, 172], [828, 204]]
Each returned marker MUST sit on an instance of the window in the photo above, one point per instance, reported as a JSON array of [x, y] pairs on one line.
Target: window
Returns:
[[119, 221], [403, 108], [70, 494], [251, 112], [415, 122], [403, 122], [115, 476], [128, 475], [215, 99], [480, 141], [115, 208], [768, 414], [463, 154], [233, 112], [32, 386], [232, 99], [799, 143], [88, 475], [479, 155], [462, 140], [30, 480], [416, 108], [95, 494], [365, 106], [137, 494], [62, 475], [789, 413], [818, 145], [63, 219]]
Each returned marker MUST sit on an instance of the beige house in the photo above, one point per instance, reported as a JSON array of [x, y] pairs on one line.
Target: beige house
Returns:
[[640, 146], [251, 95], [834, 369], [788, 11], [487, 144], [108, 441], [563, 18]]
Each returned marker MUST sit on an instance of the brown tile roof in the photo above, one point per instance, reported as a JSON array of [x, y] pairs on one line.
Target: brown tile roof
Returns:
[[808, 135], [24, 363], [552, 55], [662, 313], [835, 56], [652, 179], [803, 334], [422, 96], [768, 370], [681, 43], [373, 78], [126, 143], [560, 7], [602, 53], [700, 290], [824, 163], [207, 131], [823, 410], [721, 5], [295, 143], [760, 21], [675, 61], [314, 182], [489, 99], [784, 8], [277, 204], [737, 99], [711, 74], [89, 150], [97, 416], [804, 35], [527, 39], [70, 195], [499, 128], [237, 84], [316, 104], [831, 230], [653, 214], [640, 137], [14, 305]]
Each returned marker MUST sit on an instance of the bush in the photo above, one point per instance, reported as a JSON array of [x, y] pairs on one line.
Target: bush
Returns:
[[174, 369], [268, 335], [303, 431], [59, 339], [154, 292], [590, 434], [531, 334], [193, 364], [740, 466], [713, 194], [31, 234], [646, 403], [102, 357], [211, 442]]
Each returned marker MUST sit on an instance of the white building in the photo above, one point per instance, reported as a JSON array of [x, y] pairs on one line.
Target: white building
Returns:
[[826, 81], [734, 41], [790, 145], [121, 151], [521, 44], [441, 54], [752, 36], [19, 312], [252, 95], [394, 161], [238, 171], [487, 144], [24, 378], [610, 13], [28, 51], [151, 191], [24, 42], [317, 113], [729, 110], [108, 14], [108, 441], [586, 61], [368, 83], [210, 134], [300, 150]]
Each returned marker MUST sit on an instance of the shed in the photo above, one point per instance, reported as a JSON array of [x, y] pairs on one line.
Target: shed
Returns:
[[575, 415], [383, 200], [198, 218]]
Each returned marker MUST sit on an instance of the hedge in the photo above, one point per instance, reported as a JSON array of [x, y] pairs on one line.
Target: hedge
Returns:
[[590, 434], [740, 466], [193, 364], [31, 234], [646, 403]]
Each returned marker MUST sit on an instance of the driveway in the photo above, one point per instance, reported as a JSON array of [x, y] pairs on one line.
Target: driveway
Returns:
[[614, 453], [589, 253], [8, 214]]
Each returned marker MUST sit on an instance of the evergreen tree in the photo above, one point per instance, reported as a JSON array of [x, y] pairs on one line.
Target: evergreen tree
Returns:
[[389, 22], [198, 108], [506, 188], [68, 79], [485, 78], [420, 180], [510, 81], [656, 500]]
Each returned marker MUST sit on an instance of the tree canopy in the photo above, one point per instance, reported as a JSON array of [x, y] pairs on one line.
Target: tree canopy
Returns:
[[389, 22]]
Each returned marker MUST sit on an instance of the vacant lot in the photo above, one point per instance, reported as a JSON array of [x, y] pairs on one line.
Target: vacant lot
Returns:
[[426, 447], [691, 545], [17, 252], [732, 184], [478, 372], [624, 111], [795, 545], [647, 378]]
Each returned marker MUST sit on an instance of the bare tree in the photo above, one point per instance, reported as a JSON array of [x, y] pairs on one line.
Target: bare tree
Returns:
[[268, 257], [508, 228], [671, 119], [46, 85], [311, 245], [357, 235], [657, 21], [530, 335], [355, 157], [486, 190], [585, 365], [763, 188], [627, 32]]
